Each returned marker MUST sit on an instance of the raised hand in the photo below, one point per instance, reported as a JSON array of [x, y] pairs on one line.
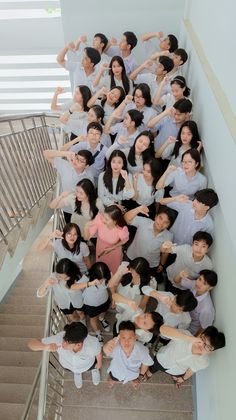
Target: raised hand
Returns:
[[124, 174], [181, 198], [128, 99], [71, 46], [144, 210], [76, 107], [59, 90], [123, 140]]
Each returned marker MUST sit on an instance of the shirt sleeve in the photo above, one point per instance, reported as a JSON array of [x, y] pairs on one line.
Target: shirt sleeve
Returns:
[[71, 65], [168, 151], [145, 357], [57, 338], [113, 50], [102, 192], [206, 317], [96, 223], [188, 284], [84, 249], [170, 179], [124, 234]]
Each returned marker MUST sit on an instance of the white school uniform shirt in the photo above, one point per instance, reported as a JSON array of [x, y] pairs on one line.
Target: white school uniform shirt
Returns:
[[146, 244], [138, 159], [78, 259], [145, 192], [184, 261], [177, 357], [203, 315], [76, 119], [185, 225], [76, 362], [167, 154], [183, 185], [166, 127], [109, 198], [129, 62], [95, 295], [106, 82], [99, 154], [79, 76], [129, 315], [151, 81], [120, 130], [125, 368], [132, 291]]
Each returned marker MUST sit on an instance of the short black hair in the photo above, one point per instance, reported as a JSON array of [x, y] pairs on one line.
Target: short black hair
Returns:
[[136, 116], [203, 236], [186, 300], [167, 63], [95, 126], [131, 39], [170, 213], [103, 39], [183, 105], [210, 277], [93, 54], [76, 332], [182, 54], [127, 325], [207, 196], [173, 42], [216, 338], [158, 322], [87, 155]]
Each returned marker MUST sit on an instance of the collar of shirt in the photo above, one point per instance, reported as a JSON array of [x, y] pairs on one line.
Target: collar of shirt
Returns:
[[201, 297]]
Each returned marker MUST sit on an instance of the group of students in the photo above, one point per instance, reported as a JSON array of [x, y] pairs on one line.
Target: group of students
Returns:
[[131, 186]]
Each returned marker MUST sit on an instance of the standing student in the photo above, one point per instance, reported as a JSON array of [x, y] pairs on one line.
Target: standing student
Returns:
[[127, 43], [109, 100], [100, 42], [77, 351], [112, 233], [166, 43], [179, 90], [116, 76], [126, 131]]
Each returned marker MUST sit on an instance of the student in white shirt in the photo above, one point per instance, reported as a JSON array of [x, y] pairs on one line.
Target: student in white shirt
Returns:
[[126, 131], [179, 90], [77, 351], [142, 102], [130, 359], [127, 43], [109, 100], [116, 76], [166, 43], [96, 298], [100, 43], [187, 179]]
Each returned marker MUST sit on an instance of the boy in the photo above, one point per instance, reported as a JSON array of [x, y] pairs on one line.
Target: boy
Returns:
[[77, 351], [83, 71], [127, 43], [190, 258], [130, 359], [203, 315], [169, 42], [192, 215], [179, 57]]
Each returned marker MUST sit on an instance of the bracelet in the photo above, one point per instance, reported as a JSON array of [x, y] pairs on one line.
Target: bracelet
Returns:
[[70, 112]]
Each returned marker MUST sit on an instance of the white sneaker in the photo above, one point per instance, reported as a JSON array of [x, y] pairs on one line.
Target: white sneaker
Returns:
[[96, 376], [105, 324], [100, 338], [78, 380]]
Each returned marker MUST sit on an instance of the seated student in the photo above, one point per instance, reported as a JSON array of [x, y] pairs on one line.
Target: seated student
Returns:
[[112, 75], [169, 121], [100, 42], [141, 151], [96, 298], [174, 309], [84, 71], [128, 129], [130, 359], [179, 90], [203, 315], [192, 215], [77, 351], [74, 110], [124, 49], [71, 171], [150, 235], [108, 100], [181, 361], [187, 138], [115, 184], [84, 203], [190, 258], [187, 179]]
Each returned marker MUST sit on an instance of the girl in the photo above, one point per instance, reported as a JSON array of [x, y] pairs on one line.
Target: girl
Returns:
[[188, 138], [111, 99], [186, 180], [179, 90], [84, 203], [112, 233], [129, 128], [117, 75], [96, 298], [69, 301], [115, 185]]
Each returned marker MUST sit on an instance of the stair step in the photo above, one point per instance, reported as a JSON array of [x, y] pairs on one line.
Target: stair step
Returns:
[[20, 358], [16, 343], [20, 291], [13, 319], [22, 309], [29, 84], [33, 96], [12, 393], [11, 411], [27, 300], [22, 331], [17, 374], [28, 59], [33, 72]]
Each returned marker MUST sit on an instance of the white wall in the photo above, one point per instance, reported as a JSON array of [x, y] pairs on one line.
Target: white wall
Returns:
[[216, 385]]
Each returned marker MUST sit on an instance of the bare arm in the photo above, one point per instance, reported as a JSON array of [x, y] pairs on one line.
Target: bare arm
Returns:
[[177, 334], [99, 361], [51, 154], [100, 93], [150, 35], [61, 55], [71, 143], [58, 202], [45, 242], [161, 182], [54, 104], [151, 123], [37, 345], [117, 298], [81, 40], [146, 65], [161, 149], [130, 215]]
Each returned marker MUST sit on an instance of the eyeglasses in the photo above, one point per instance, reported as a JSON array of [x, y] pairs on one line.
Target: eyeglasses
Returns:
[[94, 133], [207, 346]]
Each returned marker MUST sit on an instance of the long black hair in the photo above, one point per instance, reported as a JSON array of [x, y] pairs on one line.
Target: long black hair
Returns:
[[142, 268], [99, 271], [121, 98], [146, 154], [107, 177], [156, 171], [124, 77], [192, 126], [181, 82], [146, 93], [88, 188], [76, 248], [86, 95], [68, 267], [116, 215]]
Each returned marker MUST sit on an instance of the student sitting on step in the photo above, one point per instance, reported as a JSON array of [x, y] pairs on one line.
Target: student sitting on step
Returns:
[[77, 351]]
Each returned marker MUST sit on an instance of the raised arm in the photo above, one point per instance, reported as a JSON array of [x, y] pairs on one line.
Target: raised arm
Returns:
[[146, 65], [159, 152], [45, 242], [103, 67], [150, 35], [171, 332], [52, 154], [100, 93], [54, 104], [117, 298], [157, 97], [130, 215], [81, 40], [37, 345], [58, 202], [161, 183], [61, 55], [154, 121], [69, 144]]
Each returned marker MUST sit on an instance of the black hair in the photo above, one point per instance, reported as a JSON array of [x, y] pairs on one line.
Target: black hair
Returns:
[[124, 77], [99, 271], [207, 196], [180, 81], [183, 105], [93, 54], [131, 39], [116, 215], [90, 191], [68, 267], [203, 236], [156, 171], [67, 228], [99, 111], [95, 126], [107, 176], [146, 154], [192, 126], [195, 155], [103, 39], [167, 63], [136, 116], [86, 95], [170, 213], [126, 325], [186, 300], [142, 268], [121, 98], [158, 322], [173, 43], [182, 54], [210, 277], [216, 338], [146, 93], [76, 332], [87, 155]]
